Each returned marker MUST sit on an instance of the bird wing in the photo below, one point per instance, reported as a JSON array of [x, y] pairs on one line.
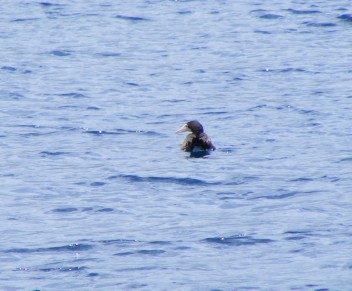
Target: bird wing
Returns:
[[187, 144], [206, 142]]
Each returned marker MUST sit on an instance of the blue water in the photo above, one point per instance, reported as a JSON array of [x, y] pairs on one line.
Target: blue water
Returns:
[[95, 192]]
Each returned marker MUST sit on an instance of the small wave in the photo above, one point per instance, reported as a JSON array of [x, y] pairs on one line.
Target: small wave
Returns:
[[73, 247], [346, 160], [24, 19], [214, 112], [302, 180], [131, 18], [120, 131], [108, 54], [63, 269], [119, 242], [181, 181], [289, 70], [285, 70], [150, 252], [106, 210], [271, 16], [262, 31], [237, 240], [60, 53], [184, 12], [315, 24], [46, 153], [294, 11], [8, 68], [132, 84], [345, 17], [261, 106], [65, 210], [97, 184], [73, 94], [160, 242], [47, 4]]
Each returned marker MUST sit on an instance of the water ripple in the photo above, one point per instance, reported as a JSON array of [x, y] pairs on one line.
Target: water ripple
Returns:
[[181, 181], [295, 11], [237, 240], [73, 247], [345, 17], [131, 18]]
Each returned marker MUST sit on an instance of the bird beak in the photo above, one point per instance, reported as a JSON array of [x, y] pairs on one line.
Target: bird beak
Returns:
[[183, 129]]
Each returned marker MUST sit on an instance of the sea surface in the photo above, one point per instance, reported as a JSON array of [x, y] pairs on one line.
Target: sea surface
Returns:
[[95, 192]]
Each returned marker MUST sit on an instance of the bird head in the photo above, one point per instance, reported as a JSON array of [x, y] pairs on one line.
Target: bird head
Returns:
[[193, 126]]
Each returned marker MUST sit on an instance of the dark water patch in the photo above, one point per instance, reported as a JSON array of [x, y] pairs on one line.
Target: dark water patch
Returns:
[[285, 70], [295, 11], [13, 96], [330, 179], [303, 179], [48, 4], [295, 238], [72, 247], [97, 184], [298, 233], [73, 95], [37, 134], [306, 111], [237, 240], [289, 70], [124, 254], [131, 18], [258, 107], [349, 159], [61, 53], [150, 252], [46, 153], [214, 113], [271, 16], [184, 12], [226, 150], [107, 209], [64, 269], [24, 19], [65, 210], [201, 71], [119, 242], [137, 269], [30, 126], [93, 108], [262, 31], [240, 180], [132, 84], [345, 17], [8, 68], [82, 209], [108, 54], [199, 154], [173, 180], [279, 196], [159, 242], [93, 275], [316, 24]]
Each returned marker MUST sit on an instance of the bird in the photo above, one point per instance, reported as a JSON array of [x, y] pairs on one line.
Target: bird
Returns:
[[197, 140]]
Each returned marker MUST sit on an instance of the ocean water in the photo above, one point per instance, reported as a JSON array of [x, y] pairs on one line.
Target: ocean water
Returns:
[[95, 192]]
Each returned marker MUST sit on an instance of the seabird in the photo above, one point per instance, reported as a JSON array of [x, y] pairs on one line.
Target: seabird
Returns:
[[197, 140]]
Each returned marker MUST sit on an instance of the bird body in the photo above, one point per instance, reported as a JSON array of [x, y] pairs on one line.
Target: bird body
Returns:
[[197, 140]]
